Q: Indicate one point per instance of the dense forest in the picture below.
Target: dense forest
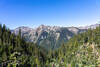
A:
(82, 50)
(15, 52)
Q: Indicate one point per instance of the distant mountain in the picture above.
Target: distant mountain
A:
(51, 36)
(90, 27)
(48, 36)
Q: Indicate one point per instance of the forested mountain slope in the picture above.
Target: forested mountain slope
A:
(82, 50)
(15, 52)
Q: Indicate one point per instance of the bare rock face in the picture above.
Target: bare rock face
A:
(49, 37)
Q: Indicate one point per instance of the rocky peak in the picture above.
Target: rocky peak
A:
(23, 29)
(73, 29)
(47, 28)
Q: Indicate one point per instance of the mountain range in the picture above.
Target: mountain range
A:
(82, 47)
(50, 36)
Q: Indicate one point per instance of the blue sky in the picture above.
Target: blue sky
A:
(32, 13)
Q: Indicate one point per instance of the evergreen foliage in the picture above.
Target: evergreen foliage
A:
(15, 52)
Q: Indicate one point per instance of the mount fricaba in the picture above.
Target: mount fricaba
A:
(50, 37)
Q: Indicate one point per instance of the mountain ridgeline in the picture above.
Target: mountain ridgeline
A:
(49, 37)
